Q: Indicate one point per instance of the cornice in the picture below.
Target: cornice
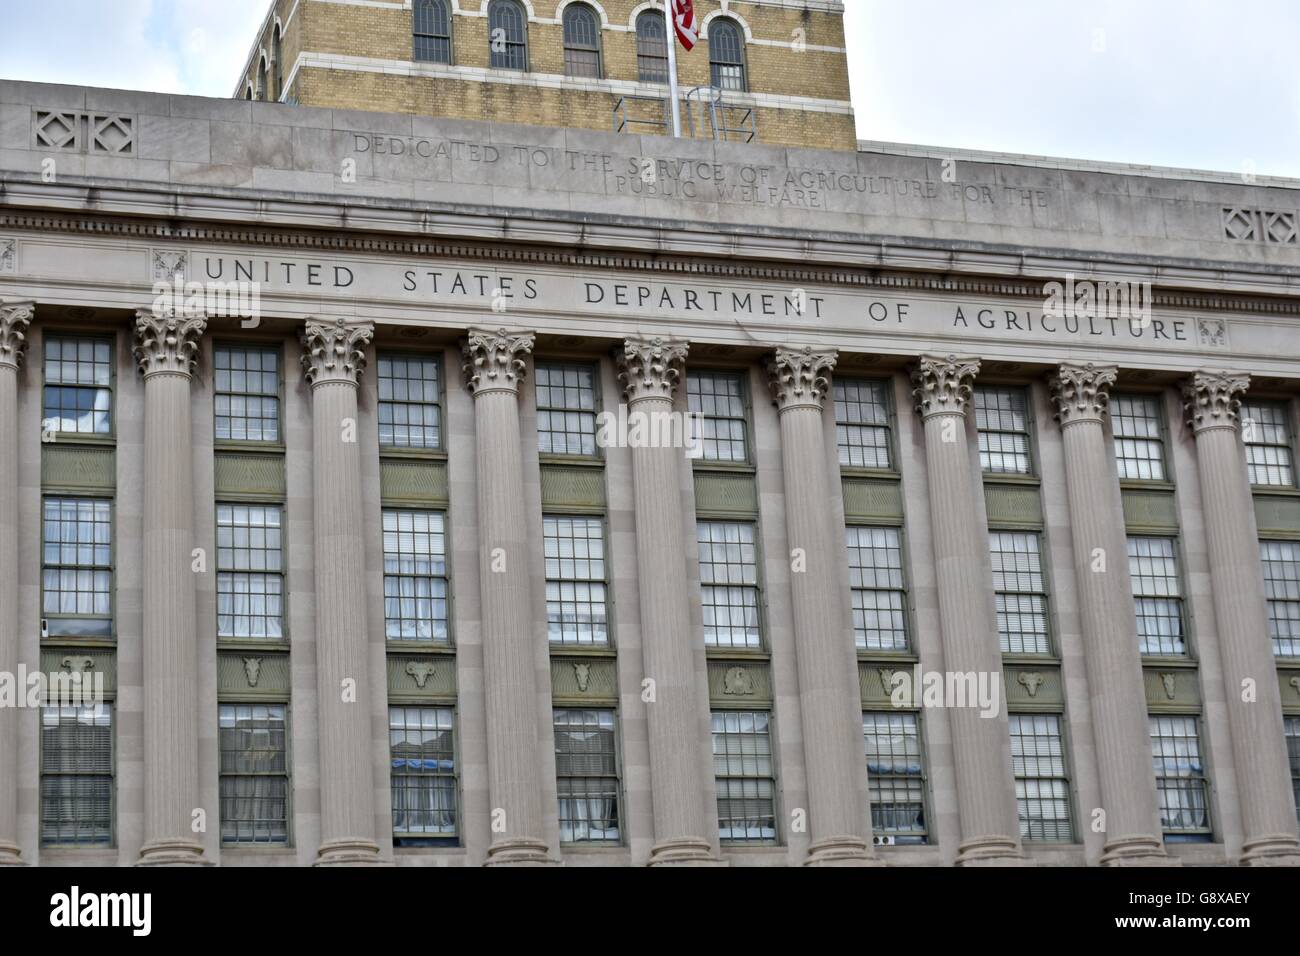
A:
(563, 253)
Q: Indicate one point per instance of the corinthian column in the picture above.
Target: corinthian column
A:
(165, 347)
(1128, 784)
(827, 657)
(493, 367)
(1212, 400)
(14, 319)
(986, 797)
(649, 370)
(333, 360)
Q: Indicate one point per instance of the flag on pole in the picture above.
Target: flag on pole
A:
(685, 24)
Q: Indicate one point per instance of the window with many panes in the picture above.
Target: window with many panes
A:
(566, 409)
(718, 401)
(77, 571)
(744, 774)
(1293, 753)
(410, 410)
(1020, 591)
(727, 56)
(77, 775)
(581, 41)
(1182, 791)
(508, 35)
(896, 773)
(862, 423)
(1157, 593)
(1042, 784)
(652, 47)
(1281, 560)
(1139, 437)
(253, 743)
(246, 393)
(1266, 434)
(250, 571)
(432, 31)
(415, 576)
(575, 580)
(422, 751)
(1002, 418)
(78, 397)
(729, 583)
(876, 579)
(586, 770)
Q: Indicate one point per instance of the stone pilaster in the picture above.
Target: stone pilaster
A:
(981, 748)
(494, 366)
(15, 317)
(166, 348)
(1211, 401)
(333, 360)
(1080, 394)
(838, 823)
(649, 371)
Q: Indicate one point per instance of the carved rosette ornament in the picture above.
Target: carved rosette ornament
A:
(15, 317)
(167, 343)
(800, 378)
(943, 386)
(650, 368)
(334, 352)
(1212, 399)
(494, 360)
(1081, 393)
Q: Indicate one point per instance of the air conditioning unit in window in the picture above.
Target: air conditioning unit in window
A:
(882, 841)
(45, 628)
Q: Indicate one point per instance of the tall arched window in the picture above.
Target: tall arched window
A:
(508, 35)
(262, 79)
(432, 31)
(727, 56)
(277, 65)
(581, 41)
(652, 47)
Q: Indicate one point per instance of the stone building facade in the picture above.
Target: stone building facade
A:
(780, 66)
(314, 449)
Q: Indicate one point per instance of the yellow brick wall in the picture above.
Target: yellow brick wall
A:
(792, 68)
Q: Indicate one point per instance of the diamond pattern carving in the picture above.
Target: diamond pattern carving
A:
(101, 134)
(1261, 225)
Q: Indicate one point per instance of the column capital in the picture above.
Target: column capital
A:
(650, 367)
(493, 360)
(943, 386)
(14, 319)
(1081, 393)
(800, 378)
(333, 353)
(167, 343)
(1212, 399)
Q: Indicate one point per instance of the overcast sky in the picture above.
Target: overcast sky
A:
(1208, 84)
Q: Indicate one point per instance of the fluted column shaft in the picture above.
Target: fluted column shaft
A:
(985, 793)
(829, 697)
(165, 348)
(650, 371)
(14, 319)
(494, 369)
(1240, 612)
(333, 361)
(1108, 620)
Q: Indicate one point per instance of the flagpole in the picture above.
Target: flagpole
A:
(672, 67)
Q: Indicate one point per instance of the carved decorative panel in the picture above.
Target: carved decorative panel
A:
(8, 255)
(873, 499)
(249, 476)
(95, 661)
(1012, 506)
(1172, 689)
(77, 467)
(77, 131)
(1150, 511)
(254, 674)
(1277, 515)
(1031, 686)
(739, 682)
(725, 494)
(410, 482)
(414, 678)
(584, 679)
(1261, 225)
(581, 488)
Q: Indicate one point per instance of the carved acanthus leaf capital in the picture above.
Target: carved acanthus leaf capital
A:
(167, 342)
(1213, 399)
(800, 377)
(1081, 393)
(334, 352)
(493, 361)
(650, 368)
(943, 386)
(15, 317)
